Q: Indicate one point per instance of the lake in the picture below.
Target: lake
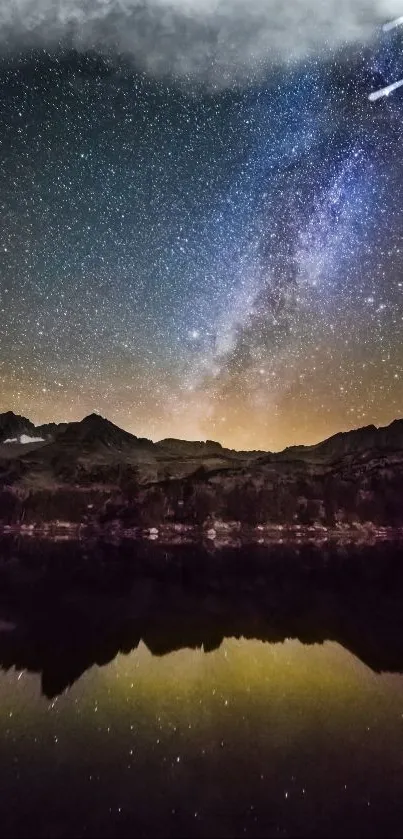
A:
(187, 692)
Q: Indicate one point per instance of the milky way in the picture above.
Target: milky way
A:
(203, 261)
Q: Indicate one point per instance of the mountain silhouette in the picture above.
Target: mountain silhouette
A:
(354, 478)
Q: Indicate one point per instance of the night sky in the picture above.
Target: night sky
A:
(202, 255)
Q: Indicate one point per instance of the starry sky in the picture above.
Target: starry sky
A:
(202, 256)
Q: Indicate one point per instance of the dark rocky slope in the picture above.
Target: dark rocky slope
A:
(92, 471)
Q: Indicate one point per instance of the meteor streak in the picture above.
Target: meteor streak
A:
(392, 24)
(385, 91)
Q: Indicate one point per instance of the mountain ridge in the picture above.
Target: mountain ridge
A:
(95, 425)
(92, 471)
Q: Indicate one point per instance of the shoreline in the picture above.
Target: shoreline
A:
(218, 534)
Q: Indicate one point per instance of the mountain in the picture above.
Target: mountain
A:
(94, 471)
(369, 437)
(190, 447)
(95, 431)
(50, 430)
(96, 450)
(12, 426)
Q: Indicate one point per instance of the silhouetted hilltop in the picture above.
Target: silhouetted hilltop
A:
(189, 447)
(369, 437)
(93, 470)
(95, 430)
(13, 426)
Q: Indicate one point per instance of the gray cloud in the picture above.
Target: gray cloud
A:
(215, 40)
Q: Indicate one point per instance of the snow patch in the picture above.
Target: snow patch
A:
(24, 438)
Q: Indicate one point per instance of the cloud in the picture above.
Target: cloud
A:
(216, 41)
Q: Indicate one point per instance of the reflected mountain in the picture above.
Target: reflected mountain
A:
(64, 608)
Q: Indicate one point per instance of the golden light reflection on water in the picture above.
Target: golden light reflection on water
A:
(239, 669)
(289, 730)
(251, 673)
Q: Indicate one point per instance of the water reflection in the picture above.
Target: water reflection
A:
(243, 701)
(67, 607)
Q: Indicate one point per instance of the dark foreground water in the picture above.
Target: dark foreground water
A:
(155, 692)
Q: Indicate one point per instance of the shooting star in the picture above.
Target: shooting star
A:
(385, 91)
(392, 24)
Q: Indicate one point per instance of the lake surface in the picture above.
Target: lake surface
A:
(244, 705)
